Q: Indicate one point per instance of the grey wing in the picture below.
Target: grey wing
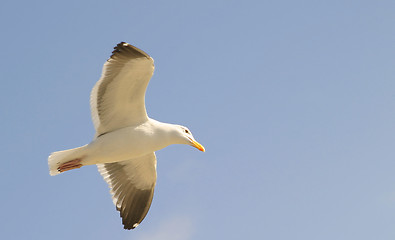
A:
(132, 184)
(118, 98)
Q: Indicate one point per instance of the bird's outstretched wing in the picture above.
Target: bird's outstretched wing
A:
(118, 98)
(132, 184)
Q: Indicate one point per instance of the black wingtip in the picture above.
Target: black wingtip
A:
(130, 227)
(119, 46)
(127, 50)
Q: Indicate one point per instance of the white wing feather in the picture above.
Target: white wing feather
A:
(132, 184)
(118, 98)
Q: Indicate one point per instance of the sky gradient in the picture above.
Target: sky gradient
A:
(294, 102)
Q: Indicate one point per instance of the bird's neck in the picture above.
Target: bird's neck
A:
(165, 134)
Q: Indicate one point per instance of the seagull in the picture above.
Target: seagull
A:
(126, 139)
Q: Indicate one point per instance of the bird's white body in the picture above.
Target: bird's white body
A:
(123, 144)
(127, 143)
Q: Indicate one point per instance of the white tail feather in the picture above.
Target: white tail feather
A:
(58, 158)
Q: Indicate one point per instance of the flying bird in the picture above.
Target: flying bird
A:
(126, 139)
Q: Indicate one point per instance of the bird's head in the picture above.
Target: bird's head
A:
(184, 135)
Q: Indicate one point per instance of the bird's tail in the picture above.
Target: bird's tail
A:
(58, 158)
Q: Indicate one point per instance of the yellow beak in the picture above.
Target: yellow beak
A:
(198, 145)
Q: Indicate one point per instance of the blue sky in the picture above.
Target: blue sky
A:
(293, 100)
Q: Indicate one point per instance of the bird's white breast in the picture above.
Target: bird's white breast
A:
(126, 143)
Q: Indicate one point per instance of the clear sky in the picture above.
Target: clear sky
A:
(293, 100)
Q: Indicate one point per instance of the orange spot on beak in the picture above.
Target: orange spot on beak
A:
(198, 145)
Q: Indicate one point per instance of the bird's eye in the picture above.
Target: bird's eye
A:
(186, 131)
